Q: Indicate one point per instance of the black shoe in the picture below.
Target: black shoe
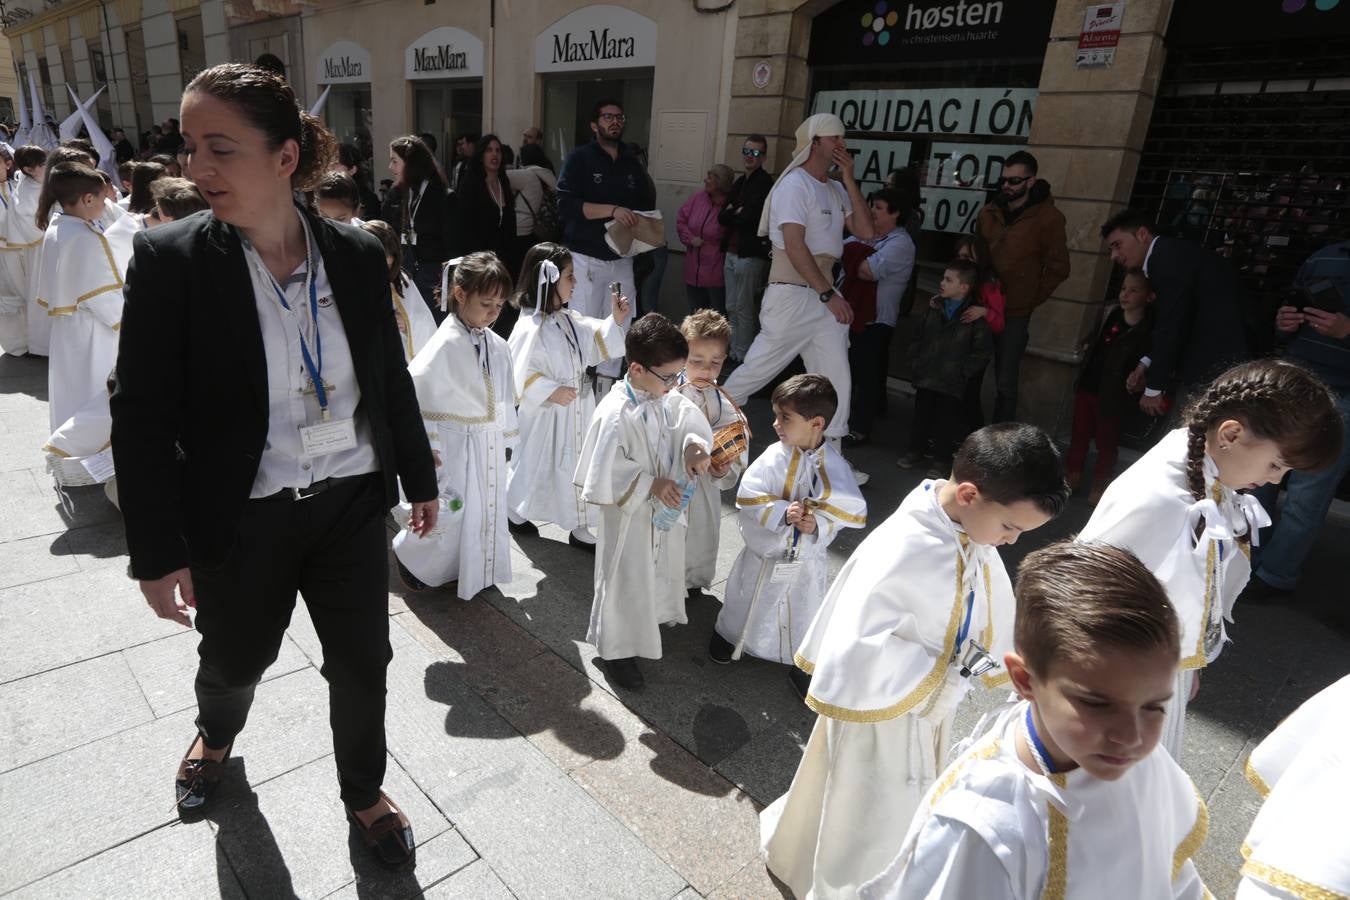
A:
(198, 778)
(390, 838)
(410, 581)
(624, 672)
(720, 649)
(577, 542)
(854, 439)
(801, 682)
(1262, 593)
(526, 528)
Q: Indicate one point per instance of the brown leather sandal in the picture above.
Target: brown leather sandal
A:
(389, 837)
(198, 778)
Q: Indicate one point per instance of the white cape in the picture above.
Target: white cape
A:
(416, 324)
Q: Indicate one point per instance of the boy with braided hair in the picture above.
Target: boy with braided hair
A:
(1182, 508)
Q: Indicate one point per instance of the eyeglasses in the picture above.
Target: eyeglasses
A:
(1013, 180)
(751, 151)
(666, 380)
(613, 117)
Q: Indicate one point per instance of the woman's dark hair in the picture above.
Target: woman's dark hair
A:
(1277, 401)
(979, 248)
(142, 177)
(339, 186)
(164, 159)
(66, 183)
(473, 183)
(418, 163)
(177, 198)
(895, 203)
(1010, 462)
(389, 238)
(349, 155)
(534, 155)
(84, 146)
(527, 285)
(480, 273)
(268, 103)
(29, 155)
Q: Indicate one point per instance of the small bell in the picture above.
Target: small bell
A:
(976, 660)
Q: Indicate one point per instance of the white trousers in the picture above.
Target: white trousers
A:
(591, 297)
(793, 322)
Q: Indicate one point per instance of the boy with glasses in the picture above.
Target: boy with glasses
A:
(747, 260)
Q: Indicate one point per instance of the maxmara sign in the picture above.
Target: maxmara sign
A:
(444, 53)
(344, 63)
(596, 37)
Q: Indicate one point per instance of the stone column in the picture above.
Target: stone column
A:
(114, 43)
(161, 58)
(56, 70)
(1087, 136)
(214, 33)
(82, 79)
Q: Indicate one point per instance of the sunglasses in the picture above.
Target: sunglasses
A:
(613, 117)
(751, 151)
(1013, 180)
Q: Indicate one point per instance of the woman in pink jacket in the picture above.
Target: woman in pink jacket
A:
(703, 239)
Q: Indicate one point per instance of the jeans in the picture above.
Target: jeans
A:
(744, 277)
(1009, 346)
(868, 356)
(649, 289)
(1283, 549)
(706, 298)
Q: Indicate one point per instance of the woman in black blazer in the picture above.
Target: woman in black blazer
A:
(261, 413)
(485, 209)
(419, 209)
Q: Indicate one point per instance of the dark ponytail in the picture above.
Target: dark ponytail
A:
(66, 183)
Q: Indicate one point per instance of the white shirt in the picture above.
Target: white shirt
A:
(821, 206)
(291, 403)
(529, 184)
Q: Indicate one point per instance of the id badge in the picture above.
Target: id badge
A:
(328, 437)
(785, 573)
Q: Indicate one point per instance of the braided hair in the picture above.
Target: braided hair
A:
(1277, 401)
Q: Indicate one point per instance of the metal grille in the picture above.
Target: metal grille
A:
(1249, 153)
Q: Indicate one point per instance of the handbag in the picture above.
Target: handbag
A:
(547, 221)
(729, 441)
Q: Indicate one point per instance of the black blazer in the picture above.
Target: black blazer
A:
(189, 395)
(435, 222)
(1200, 311)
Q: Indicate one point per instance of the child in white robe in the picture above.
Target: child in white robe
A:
(791, 505)
(709, 336)
(643, 441)
(552, 346)
(467, 394)
(81, 289)
(920, 609)
(23, 243)
(13, 307)
(1180, 510)
(415, 322)
(1302, 767)
(1068, 795)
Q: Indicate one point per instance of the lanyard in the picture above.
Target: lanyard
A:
(574, 342)
(415, 205)
(313, 363)
(479, 342)
(1038, 747)
(964, 631)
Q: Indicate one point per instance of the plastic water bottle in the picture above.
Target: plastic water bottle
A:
(665, 517)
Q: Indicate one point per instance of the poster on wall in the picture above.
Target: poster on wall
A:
(1100, 35)
(1000, 112)
(895, 32)
(874, 160)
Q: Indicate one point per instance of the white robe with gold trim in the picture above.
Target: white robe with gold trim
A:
(549, 352)
(705, 507)
(880, 652)
(1150, 511)
(781, 612)
(82, 288)
(1301, 769)
(991, 828)
(639, 569)
(13, 284)
(469, 409)
(24, 238)
(416, 324)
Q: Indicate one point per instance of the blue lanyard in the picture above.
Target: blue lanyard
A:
(1038, 745)
(314, 369)
(964, 631)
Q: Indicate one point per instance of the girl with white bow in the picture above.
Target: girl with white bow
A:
(1181, 511)
(552, 346)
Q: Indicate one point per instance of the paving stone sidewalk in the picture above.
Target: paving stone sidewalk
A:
(525, 774)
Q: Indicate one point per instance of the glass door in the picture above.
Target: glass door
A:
(445, 110)
(568, 102)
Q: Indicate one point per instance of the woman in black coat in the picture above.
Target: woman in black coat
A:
(261, 414)
(419, 209)
(485, 207)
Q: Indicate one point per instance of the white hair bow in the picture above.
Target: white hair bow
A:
(548, 276)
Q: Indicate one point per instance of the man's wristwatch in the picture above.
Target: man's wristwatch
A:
(827, 296)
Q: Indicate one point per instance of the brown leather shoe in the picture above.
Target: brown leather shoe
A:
(197, 778)
(390, 837)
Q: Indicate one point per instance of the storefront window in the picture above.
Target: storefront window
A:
(567, 109)
(446, 110)
(349, 117)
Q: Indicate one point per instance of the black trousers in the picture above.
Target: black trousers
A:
(869, 355)
(331, 548)
(940, 419)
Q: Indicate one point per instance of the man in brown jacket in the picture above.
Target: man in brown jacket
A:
(1026, 239)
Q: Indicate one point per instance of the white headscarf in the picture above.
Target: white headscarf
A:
(819, 125)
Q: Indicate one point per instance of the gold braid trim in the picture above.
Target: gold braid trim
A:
(402, 311)
(757, 500)
(1255, 778)
(534, 376)
(491, 415)
(829, 508)
(1194, 838)
(628, 493)
(791, 473)
(1304, 890)
(68, 310)
(599, 342)
(1057, 836)
(925, 686)
(1197, 660)
(985, 750)
(804, 664)
(55, 451)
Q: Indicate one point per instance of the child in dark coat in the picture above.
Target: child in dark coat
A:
(949, 355)
(1103, 395)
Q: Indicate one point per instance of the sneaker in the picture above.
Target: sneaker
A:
(801, 682)
(624, 672)
(910, 460)
(939, 470)
(1260, 592)
(720, 649)
(859, 475)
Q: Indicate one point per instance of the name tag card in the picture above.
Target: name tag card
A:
(100, 465)
(785, 573)
(329, 437)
